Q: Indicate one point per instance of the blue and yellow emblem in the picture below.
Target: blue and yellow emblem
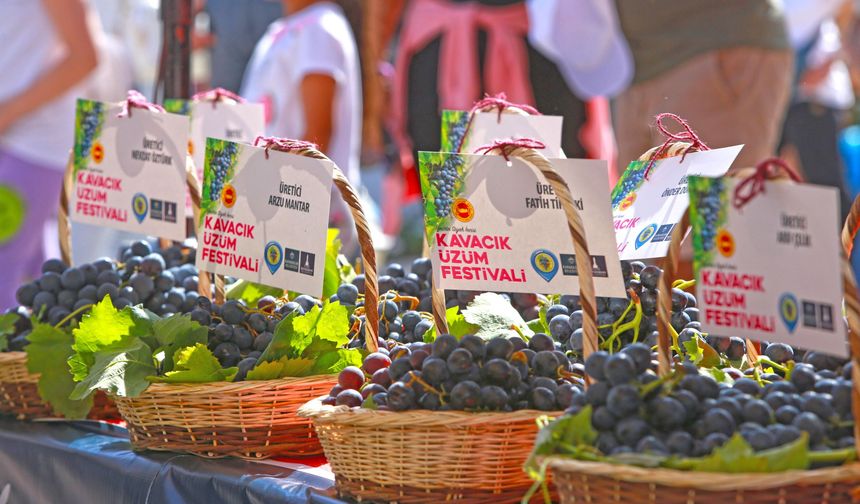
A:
(788, 311)
(646, 234)
(139, 206)
(273, 255)
(545, 263)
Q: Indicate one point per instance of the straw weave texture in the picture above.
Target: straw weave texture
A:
(251, 419)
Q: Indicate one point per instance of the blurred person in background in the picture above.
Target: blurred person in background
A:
(725, 66)
(306, 72)
(450, 53)
(46, 52)
(822, 91)
(236, 26)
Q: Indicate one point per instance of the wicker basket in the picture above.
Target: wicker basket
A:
(249, 419)
(19, 393)
(254, 419)
(593, 482)
(426, 456)
(582, 481)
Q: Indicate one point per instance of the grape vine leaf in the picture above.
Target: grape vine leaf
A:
(251, 292)
(333, 323)
(195, 364)
(457, 325)
(104, 328)
(564, 435)
(121, 370)
(47, 352)
(335, 361)
(281, 368)
(176, 332)
(337, 268)
(7, 327)
(494, 316)
(737, 456)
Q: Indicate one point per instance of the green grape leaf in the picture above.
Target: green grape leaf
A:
(196, 364)
(7, 327)
(457, 325)
(332, 274)
(176, 332)
(270, 370)
(737, 456)
(717, 374)
(121, 370)
(693, 351)
(335, 361)
(281, 368)
(564, 435)
(494, 316)
(369, 403)
(283, 340)
(333, 323)
(250, 292)
(47, 352)
(105, 328)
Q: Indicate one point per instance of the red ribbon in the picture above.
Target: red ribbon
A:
(216, 95)
(137, 100)
(753, 185)
(688, 135)
(283, 144)
(507, 146)
(499, 102)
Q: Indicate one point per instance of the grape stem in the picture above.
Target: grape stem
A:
(72, 315)
(764, 360)
(683, 284)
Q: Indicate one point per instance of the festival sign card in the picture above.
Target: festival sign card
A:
(498, 226)
(487, 127)
(264, 216)
(647, 209)
(771, 269)
(237, 122)
(129, 168)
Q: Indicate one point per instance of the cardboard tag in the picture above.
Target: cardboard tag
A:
(492, 226)
(130, 170)
(237, 122)
(264, 220)
(647, 211)
(770, 270)
(487, 127)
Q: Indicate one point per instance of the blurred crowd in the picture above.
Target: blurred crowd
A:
(367, 79)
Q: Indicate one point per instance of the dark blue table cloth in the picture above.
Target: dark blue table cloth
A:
(92, 463)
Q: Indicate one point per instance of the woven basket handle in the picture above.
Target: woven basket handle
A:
(365, 241)
(852, 309)
(580, 245)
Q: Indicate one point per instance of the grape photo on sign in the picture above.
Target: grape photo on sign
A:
(495, 226)
(264, 216)
(771, 269)
(487, 127)
(647, 209)
(129, 169)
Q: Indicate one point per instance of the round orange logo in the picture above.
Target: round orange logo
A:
(98, 152)
(627, 201)
(725, 243)
(190, 148)
(462, 210)
(228, 196)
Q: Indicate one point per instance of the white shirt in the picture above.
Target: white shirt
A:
(315, 40)
(30, 47)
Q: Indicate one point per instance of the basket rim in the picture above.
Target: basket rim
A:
(362, 417)
(185, 389)
(6, 357)
(700, 480)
